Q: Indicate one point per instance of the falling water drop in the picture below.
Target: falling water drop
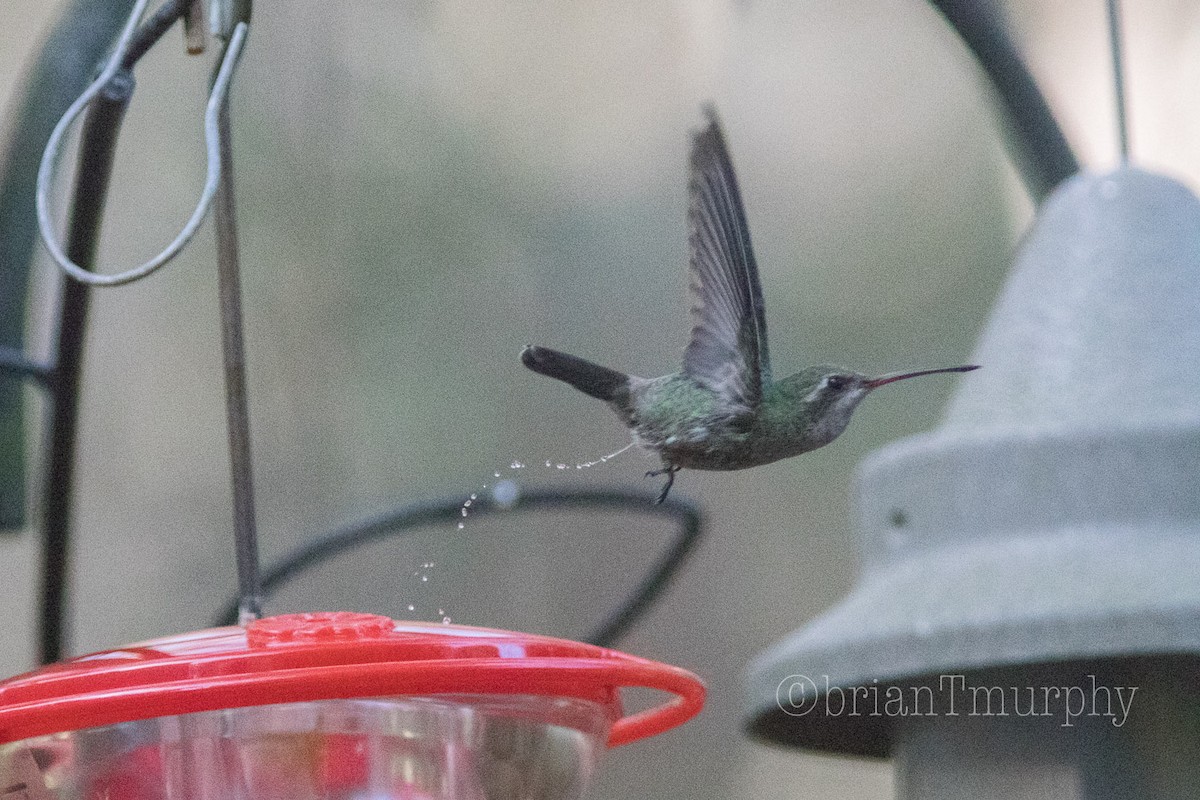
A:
(505, 494)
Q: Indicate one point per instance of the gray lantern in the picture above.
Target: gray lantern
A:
(1028, 615)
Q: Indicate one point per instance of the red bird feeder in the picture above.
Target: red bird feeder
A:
(328, 706)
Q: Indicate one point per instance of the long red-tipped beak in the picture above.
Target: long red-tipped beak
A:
(875, 383)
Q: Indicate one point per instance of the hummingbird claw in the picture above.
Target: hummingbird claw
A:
(669, 471)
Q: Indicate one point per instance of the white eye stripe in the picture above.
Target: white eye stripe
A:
(840, 382)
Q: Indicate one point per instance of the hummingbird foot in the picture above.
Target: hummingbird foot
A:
(669, 470)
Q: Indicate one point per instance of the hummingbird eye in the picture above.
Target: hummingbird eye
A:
(837, 382)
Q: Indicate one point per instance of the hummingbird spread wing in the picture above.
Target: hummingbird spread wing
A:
(728, 348)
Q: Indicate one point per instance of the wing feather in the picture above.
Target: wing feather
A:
(728, 347)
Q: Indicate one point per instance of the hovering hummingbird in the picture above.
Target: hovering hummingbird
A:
(723, 411)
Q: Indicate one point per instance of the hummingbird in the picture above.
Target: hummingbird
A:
(723, 410)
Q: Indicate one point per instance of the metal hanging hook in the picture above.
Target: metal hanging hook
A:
(220, 89)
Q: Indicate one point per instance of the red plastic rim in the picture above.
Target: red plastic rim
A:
(300, 657)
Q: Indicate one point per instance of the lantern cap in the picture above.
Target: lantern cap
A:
(320, 656)
(1053, 517)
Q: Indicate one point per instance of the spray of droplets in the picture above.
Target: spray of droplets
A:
(505, 493)
(422, 574)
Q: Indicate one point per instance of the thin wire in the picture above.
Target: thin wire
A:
(50, 155)
(1114, 40)
(233, 349)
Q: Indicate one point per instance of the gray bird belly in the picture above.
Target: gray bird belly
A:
(731, 449)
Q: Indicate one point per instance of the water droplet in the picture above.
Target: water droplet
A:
(424, 579)
(494, 475)
(462, 525)
(560, 466)
(429, 564)
(466, 505)
(474, 497)
(463, 510)
(505, 494)
(515, 465)
(547, 462)
(445, 620)
(441, 611)
(411, 607)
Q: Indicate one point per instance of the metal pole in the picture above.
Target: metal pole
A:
(99, 140)
(236, 403)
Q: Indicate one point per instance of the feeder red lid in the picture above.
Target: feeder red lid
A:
(298, 657)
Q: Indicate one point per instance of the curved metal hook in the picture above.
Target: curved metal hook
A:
(405, 519)
(216, 98)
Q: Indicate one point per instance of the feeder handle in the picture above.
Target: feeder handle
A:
(689, 699)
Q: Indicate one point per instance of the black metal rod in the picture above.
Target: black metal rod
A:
(237, 409)
(1044, 157)
(406, 519)
(98, 145)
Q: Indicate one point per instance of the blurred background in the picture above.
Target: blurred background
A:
(425, 187)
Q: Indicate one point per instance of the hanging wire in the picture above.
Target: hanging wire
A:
(406, 519)
(1114, 41)
(45, 180)
(237, 410)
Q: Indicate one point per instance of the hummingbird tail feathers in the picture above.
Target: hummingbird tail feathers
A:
(591, 379)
